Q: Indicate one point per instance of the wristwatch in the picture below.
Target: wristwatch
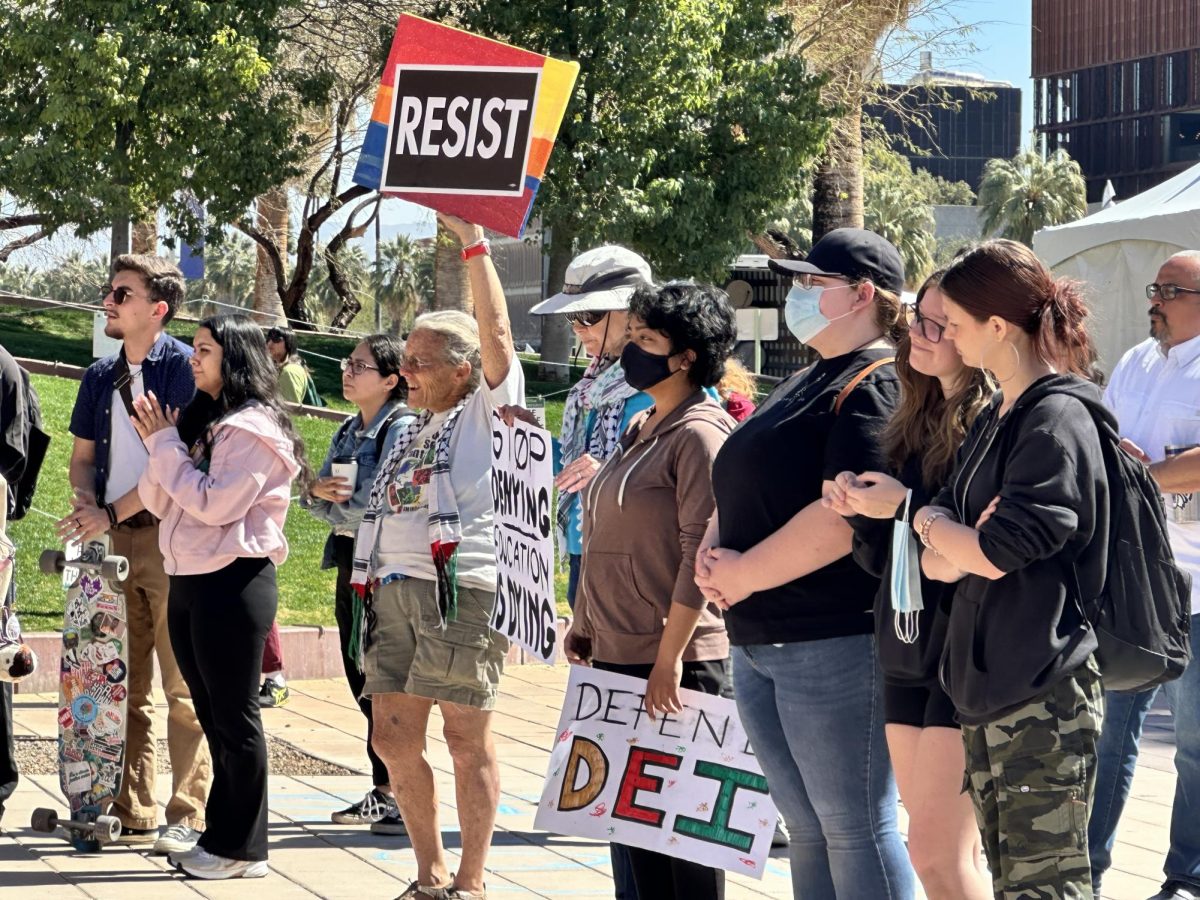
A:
(481, 247)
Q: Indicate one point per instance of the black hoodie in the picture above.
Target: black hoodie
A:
(1012, 639)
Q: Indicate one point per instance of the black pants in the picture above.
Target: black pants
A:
(8, 755)
(656, 874)
(218, 624)
(343, 612)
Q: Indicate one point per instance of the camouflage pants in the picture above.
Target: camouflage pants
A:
(1032, 774)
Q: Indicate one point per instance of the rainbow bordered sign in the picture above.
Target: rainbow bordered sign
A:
(464, 124)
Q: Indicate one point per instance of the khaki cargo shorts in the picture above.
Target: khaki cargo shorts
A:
(411, 652)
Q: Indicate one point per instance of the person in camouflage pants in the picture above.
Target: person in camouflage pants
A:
(1032, 775)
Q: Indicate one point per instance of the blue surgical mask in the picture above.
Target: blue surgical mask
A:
(906, 578)
(802, 312)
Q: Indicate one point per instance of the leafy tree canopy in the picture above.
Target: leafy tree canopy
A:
(687, 126)
(1020, 196)
(110, 109)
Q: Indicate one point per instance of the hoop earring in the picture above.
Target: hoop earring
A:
(1016, 368)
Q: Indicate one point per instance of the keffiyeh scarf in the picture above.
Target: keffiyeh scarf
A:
(445, 528)
(603, 390)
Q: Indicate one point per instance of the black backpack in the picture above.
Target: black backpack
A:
(1142, 617)
(36, 442)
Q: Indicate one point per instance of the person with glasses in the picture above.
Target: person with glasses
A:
(107, 459)
(294, 377)
(1155, 393)
(600, 406)
(425, 563)
(940, 397)
(798, 606)
(371, 380)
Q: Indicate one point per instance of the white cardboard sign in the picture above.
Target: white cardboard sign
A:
(687, 785)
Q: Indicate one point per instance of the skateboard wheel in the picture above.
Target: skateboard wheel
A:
(52, 562)
(44, 820)
(106, 829)
(114, 568)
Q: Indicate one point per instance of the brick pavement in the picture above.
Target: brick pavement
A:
(310, 857)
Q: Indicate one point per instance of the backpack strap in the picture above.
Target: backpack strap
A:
(857, 380)
(385, 426)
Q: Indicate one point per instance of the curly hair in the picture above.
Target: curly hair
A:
(696, 317)
(247, 376)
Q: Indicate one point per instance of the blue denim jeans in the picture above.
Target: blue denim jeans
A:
(813, 711)
(1124, 716)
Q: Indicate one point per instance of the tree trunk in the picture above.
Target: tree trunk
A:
(451, 289)
(838, 182)
(272, 220)
(556, 332)
(120, 239)
(145, 236)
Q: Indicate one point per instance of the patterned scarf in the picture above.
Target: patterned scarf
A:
(602, 390)
(445, 529)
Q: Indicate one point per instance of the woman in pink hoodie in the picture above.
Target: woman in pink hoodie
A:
(219, 477)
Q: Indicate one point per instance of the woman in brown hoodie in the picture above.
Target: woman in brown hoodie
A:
(638, 610)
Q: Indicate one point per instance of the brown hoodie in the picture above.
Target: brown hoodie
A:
(644, 515)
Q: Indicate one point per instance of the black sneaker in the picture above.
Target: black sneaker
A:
(391, 823)
(273, 693)
(368, 810)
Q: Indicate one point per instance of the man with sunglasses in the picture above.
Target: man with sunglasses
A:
(1155, 392)
(107, 459)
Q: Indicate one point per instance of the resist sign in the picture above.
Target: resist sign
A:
(460, 130)
(686, 785)
(522, 479)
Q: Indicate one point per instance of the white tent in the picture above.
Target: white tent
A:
(1118, 251)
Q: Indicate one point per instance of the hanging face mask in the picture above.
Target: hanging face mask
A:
(906, 578)
(643, 369)
(802, 312)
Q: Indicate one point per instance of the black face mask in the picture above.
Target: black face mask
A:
(642, 369)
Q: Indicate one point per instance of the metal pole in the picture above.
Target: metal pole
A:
(378, 279)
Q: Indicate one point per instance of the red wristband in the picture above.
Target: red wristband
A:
(481, 247)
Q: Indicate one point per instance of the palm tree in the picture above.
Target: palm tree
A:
(403, 281)
(907, 222)
(1022, 195)
(272, 219)
(452, 290)
(229, 270)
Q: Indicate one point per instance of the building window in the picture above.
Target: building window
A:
(1118, 89)
(1183, 137)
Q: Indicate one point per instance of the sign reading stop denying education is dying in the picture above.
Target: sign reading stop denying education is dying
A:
(464, 124)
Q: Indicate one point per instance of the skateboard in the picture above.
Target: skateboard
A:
(93, 692)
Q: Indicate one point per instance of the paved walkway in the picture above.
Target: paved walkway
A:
(312, 858)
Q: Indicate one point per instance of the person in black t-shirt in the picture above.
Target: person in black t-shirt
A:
(807, 684)
(939, 399)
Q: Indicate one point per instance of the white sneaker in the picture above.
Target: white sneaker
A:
(203, 864)
(177, 840)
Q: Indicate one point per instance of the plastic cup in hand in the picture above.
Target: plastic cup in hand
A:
(345, 467)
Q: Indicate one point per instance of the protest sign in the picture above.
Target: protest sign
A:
(687, 785)
(522, 488)
(464, 124)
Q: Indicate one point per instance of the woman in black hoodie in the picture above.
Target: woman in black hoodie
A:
(1022, 526)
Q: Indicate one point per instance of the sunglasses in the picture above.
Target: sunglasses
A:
(927, 328)
(586, 319)
(119, 294)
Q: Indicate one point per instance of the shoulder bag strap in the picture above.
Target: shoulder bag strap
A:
(857, 380)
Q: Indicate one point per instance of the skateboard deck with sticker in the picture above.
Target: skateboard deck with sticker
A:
(93, 693)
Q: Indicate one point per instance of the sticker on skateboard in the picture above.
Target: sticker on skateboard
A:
(92, 693)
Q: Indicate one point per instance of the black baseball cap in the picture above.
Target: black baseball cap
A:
(852, 253)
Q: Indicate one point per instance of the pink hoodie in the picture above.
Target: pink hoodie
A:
(237, 508)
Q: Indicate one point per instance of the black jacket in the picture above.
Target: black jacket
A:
(909, 664)
(1012, 639)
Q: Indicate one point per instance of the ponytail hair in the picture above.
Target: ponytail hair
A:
(1004, 278)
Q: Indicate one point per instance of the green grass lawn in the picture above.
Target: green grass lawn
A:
(305, 591)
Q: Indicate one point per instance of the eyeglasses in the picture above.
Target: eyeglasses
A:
(356, 366)
(927, 328)
(119, 294)
(413, 364)
(586, 319)
(806, 281)
(1166, 291)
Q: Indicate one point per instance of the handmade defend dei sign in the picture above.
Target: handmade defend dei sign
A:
(464, 124)
(686, 785)
(522, 481)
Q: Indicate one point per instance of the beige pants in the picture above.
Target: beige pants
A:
(146, 591)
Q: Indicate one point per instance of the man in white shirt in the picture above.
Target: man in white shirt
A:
(1155, 393)
(425, 547)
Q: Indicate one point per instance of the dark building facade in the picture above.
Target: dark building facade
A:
(1117, 85)
(956, 123)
